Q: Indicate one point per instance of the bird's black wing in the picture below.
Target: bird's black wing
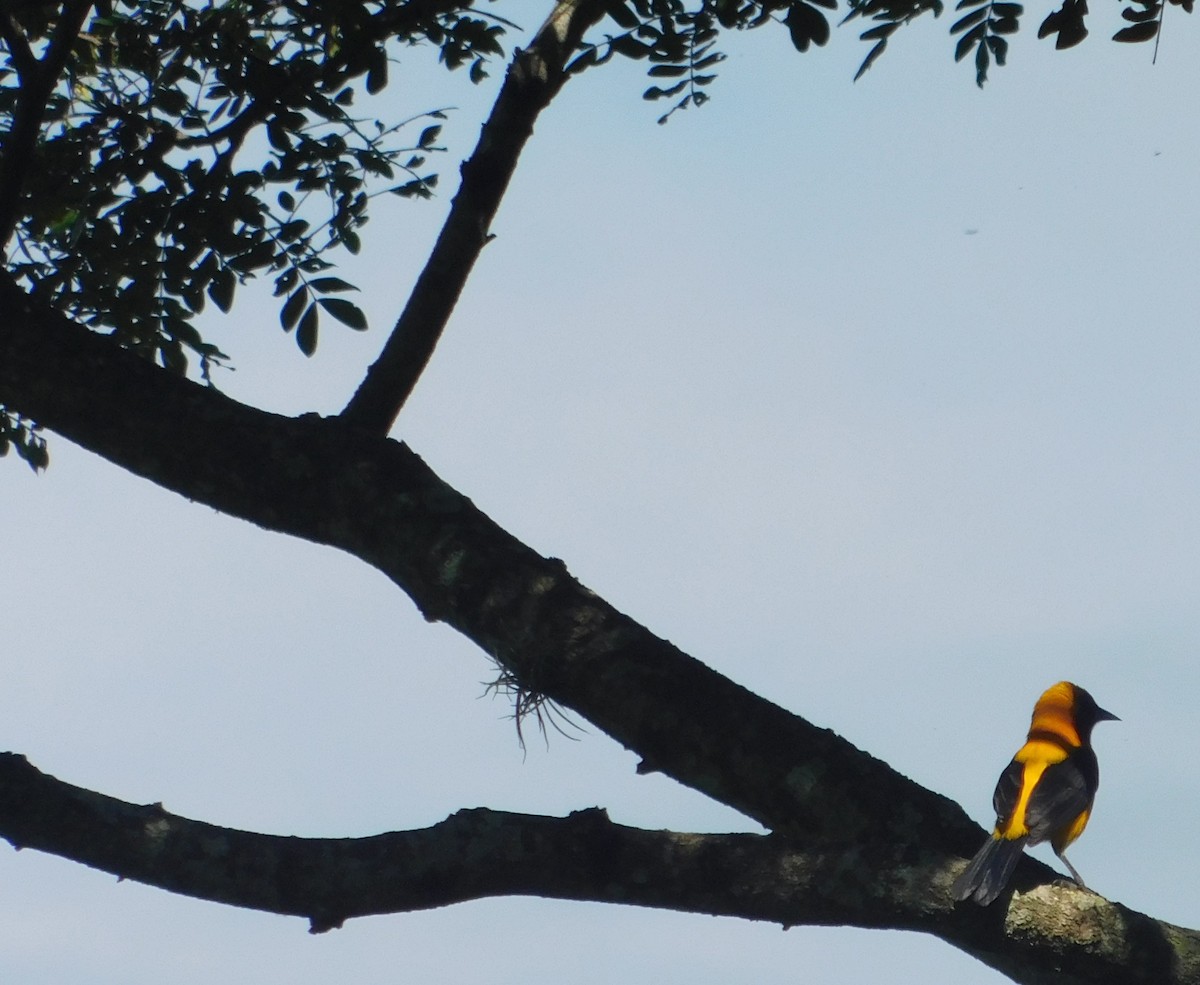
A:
(1063, 792)
(1008, 791)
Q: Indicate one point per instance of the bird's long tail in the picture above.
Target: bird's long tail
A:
(989, 871)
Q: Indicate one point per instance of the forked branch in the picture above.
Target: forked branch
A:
(38, 78)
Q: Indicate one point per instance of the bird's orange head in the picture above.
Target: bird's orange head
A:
(1066, 710)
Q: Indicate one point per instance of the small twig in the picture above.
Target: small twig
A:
(1162, 13)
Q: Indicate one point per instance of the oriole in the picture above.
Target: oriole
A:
(1045, 793)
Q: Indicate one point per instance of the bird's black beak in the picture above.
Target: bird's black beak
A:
(1105, 716)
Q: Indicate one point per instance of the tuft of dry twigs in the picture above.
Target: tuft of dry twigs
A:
(527, 702)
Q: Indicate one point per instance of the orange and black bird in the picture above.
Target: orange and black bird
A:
(1045, 794)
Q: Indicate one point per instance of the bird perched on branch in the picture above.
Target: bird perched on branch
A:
(1045, 793)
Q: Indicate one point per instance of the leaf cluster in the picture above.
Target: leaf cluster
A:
(983, 28)
(888, 17)
(678, 40)
(24, 437)
(193, 144)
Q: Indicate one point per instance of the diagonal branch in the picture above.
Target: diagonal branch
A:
(375, 499)
(23, 58)
(482, 853)
(534, 78)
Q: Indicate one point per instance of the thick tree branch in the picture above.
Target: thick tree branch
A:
(470, 855)
(372, 497)
(481, 853)
(534, 78)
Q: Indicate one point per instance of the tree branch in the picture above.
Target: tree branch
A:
(534, 77)
(470, 855)
(23, 58)
(482, 853)
(37, 84)
(375, 499)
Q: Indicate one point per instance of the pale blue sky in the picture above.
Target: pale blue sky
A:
(754, 379)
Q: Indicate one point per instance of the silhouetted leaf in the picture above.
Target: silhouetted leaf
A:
(872, 55)
(806, 25)
(325, 285)
(286, 281)
(1148, 13)
(655, 92)
(629, 46)
(1067, 23)
(377, 76)
(172, 358)
(292, 309)
(345, 311)
(970, 20)
(968, 41)
(1137, 32)
(982, 60)
(22, 435)
(306, 332)
(221, 289)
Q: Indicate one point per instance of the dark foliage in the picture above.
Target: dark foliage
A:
(188, 146)
(156, 154)
(24, 437)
